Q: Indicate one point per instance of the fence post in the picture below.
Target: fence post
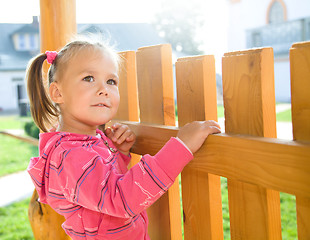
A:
(156, 101)
(249, 101)
(300, 85)
(201, 192)
(57, 24)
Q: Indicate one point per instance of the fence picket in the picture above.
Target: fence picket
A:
(156, 101)
(249, 101)
(128, 107)
(300, 85)
(196, 89)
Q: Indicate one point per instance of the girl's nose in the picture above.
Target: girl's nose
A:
(103, 90)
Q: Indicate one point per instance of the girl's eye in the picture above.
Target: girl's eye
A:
(111, 82)
(89, 79)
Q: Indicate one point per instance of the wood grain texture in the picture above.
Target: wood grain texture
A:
(57, 25)
(249, 101)
(282, 165)
(155, 84)
(128, 109)
(201, 192)
(128, 89)
(300, 85)
(156, 101)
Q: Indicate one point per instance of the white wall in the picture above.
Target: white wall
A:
(297, 9)
(8, 95)
(248, 14)
(244, 15)
(282, 80)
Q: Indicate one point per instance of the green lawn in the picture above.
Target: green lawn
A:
(220, 111)
(14, 222)
(13, 122)
(288, 213)
(14, 154)
(284, 116)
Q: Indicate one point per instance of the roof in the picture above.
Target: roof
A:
(123, 36)
(9, 58)
(29, 28)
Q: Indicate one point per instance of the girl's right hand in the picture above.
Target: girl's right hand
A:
(195, 133)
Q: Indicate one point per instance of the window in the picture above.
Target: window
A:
(32, 41)
(256, 39)
(21, 42)
(26, 41)
(276, 12)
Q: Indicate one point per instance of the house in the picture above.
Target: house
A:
(270, 23)
(20, 42)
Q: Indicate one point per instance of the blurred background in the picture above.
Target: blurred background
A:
(192, 28)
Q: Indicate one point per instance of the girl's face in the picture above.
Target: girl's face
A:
(88, 90)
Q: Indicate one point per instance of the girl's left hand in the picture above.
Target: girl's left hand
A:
(122, 137)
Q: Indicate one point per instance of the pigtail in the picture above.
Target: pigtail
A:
(41, 107)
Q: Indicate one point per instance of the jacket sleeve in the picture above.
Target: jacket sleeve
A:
(89, 181)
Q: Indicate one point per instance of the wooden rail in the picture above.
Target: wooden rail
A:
(240, 157)
(256, 164)
(31, 140)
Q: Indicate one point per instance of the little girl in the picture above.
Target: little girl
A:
(82, 172)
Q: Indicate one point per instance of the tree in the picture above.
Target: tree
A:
(179, 22)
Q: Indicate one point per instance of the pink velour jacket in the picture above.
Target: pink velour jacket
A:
(85, 179)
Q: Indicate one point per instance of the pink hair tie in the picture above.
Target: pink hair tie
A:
(50, 56)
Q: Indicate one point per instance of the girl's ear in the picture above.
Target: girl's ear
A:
(55, 93)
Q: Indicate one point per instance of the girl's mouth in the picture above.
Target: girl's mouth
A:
(101, 105)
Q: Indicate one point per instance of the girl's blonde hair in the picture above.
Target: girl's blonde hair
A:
(42, 109)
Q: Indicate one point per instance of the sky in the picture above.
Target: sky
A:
(102, 11)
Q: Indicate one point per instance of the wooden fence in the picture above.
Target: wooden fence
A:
(256, 164)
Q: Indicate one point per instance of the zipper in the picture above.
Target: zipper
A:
(108, 146)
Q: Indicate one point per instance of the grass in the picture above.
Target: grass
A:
(288, 216)
(288, 213)
(15, 154)
(220, 111)
(13, 122)
(285, 116)
(14, 222)
(14, 157)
